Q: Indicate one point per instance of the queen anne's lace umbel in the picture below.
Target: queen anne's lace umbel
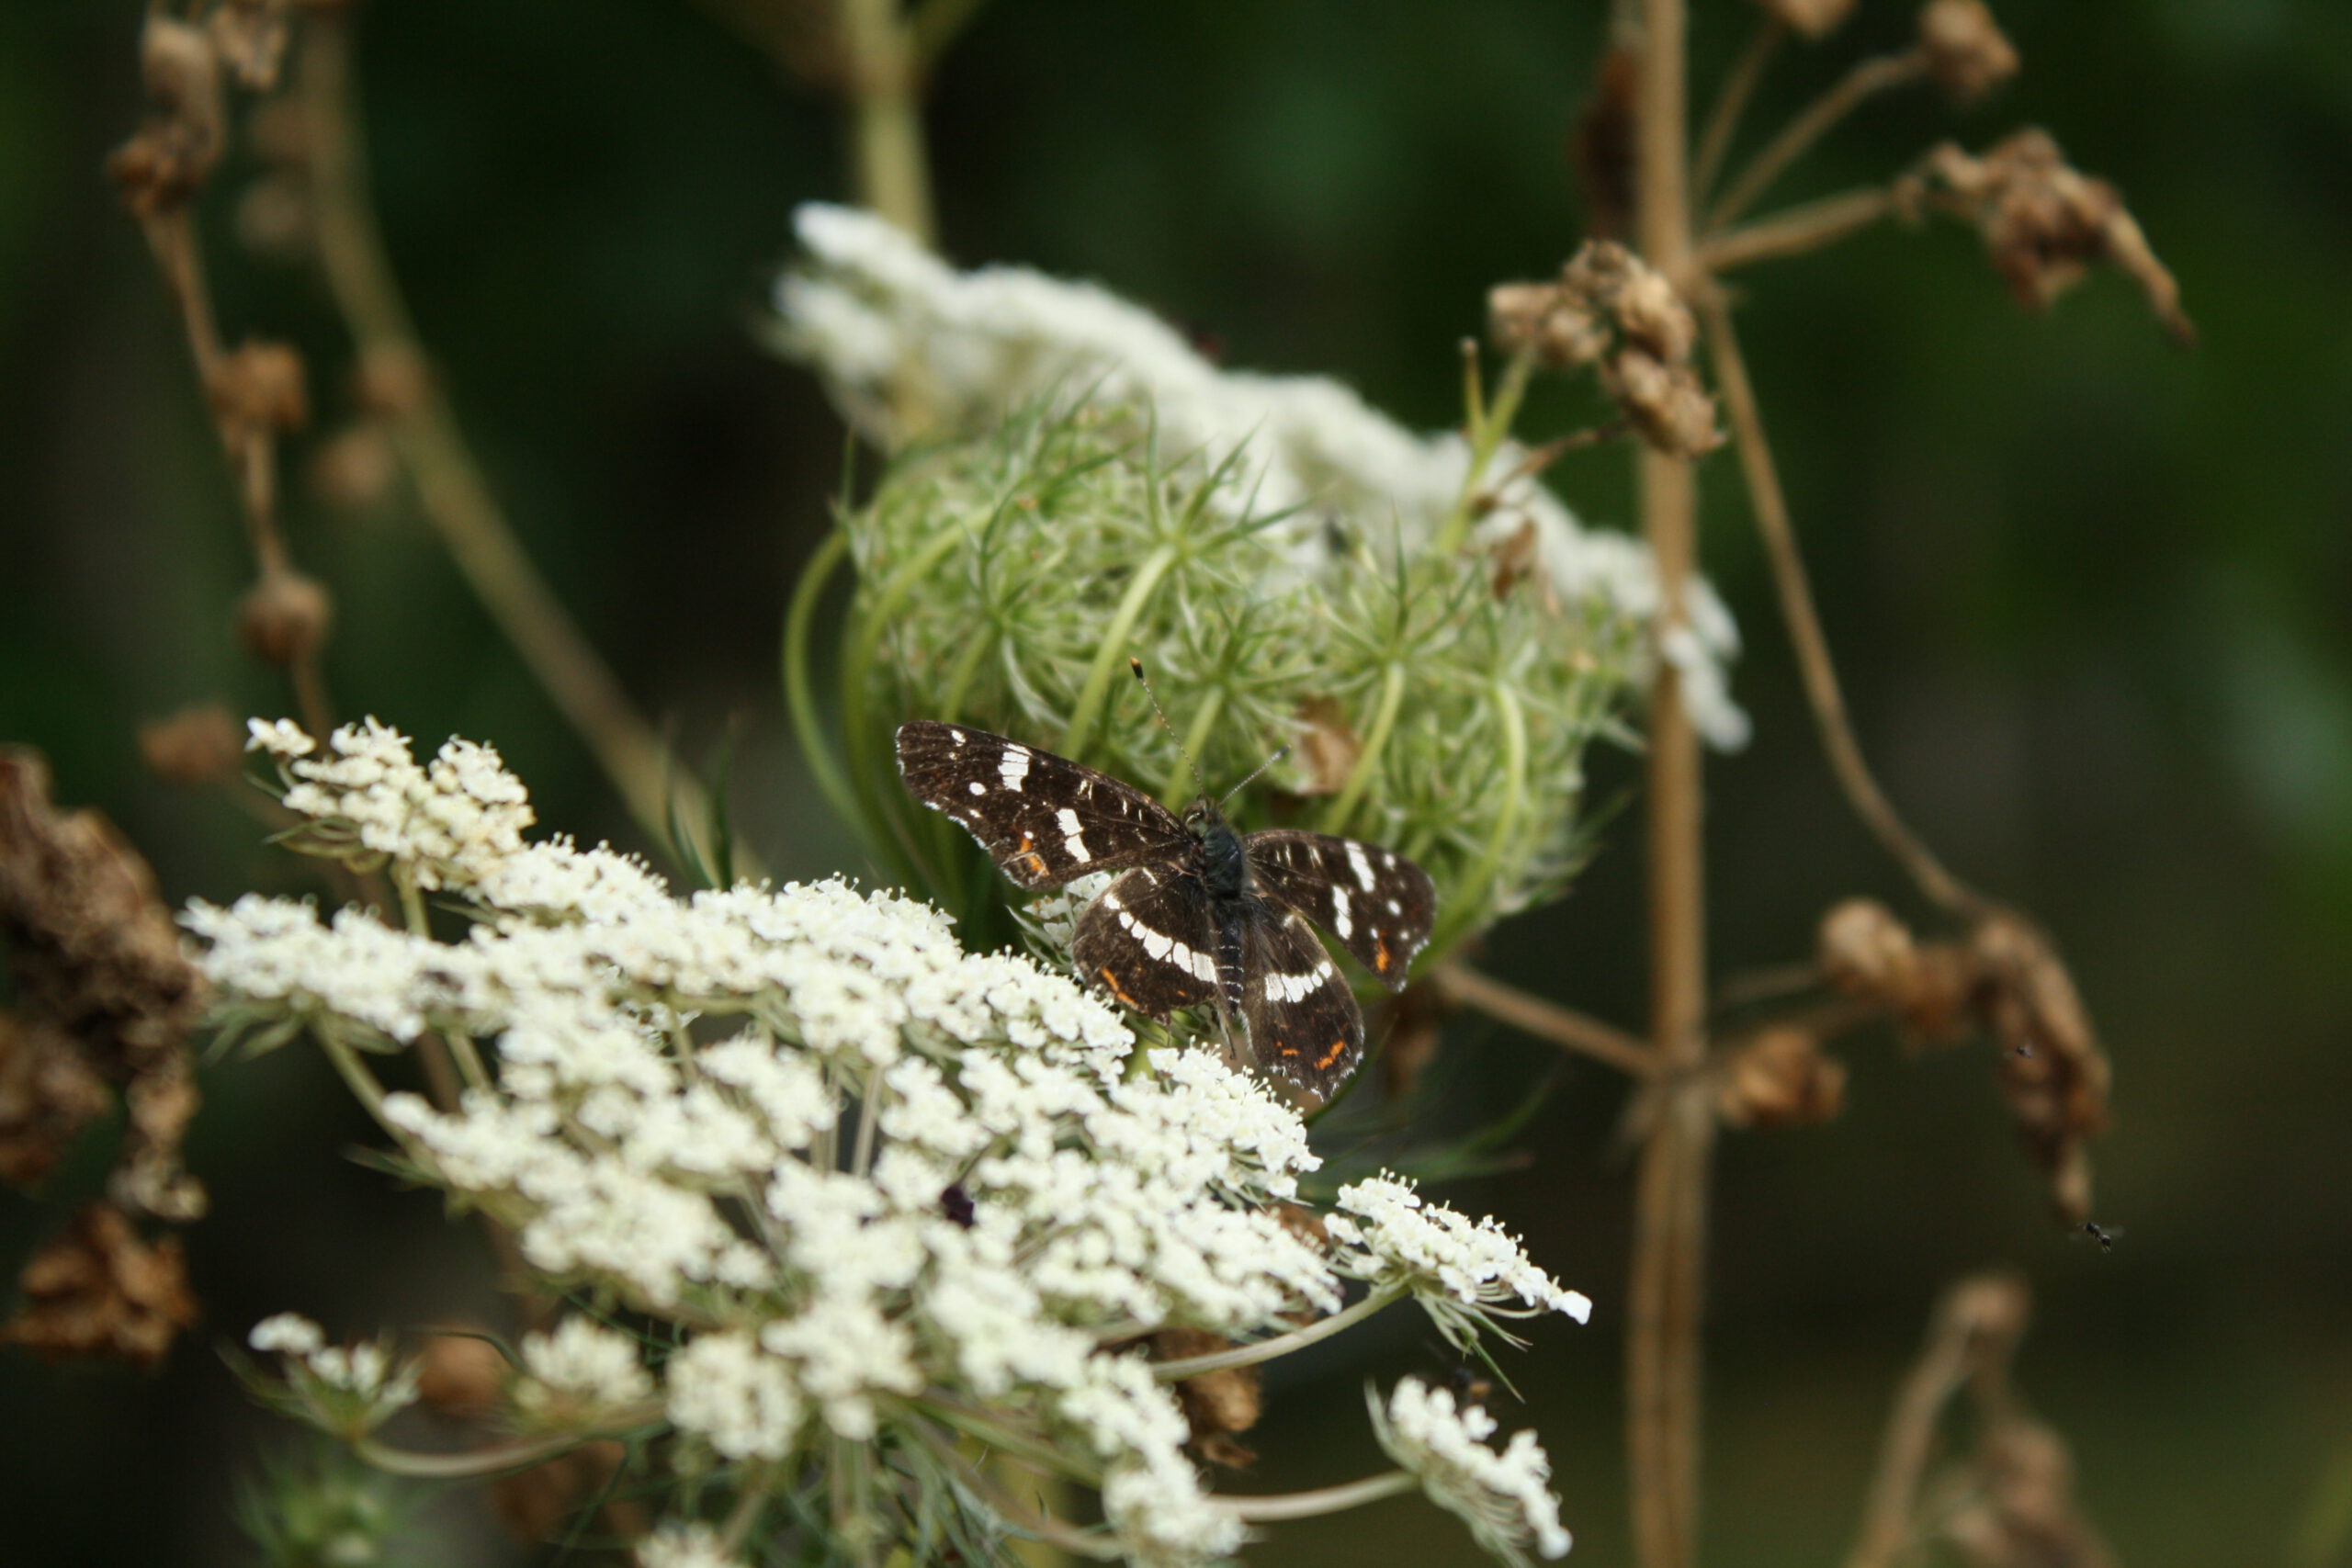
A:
(874, 1186)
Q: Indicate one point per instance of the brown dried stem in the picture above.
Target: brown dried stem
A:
(1731, 101)
(1976, 1329)
(1806, 637)
(1667, 1265)
(1857, 86)
(1807, 227)
(455, 496)
(1564, 1027)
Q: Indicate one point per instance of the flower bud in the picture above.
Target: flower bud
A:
(199, 745)
(1966, 49)
(284, 616)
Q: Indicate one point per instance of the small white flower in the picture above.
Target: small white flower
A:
(674, 1545)
(1163, 1518)
(1462, 1271)
(742, 1401)
(1506, 1498)
(288, 1333)
(583, 1363)
(281, 737)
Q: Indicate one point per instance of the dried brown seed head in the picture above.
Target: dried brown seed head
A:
(200, 744)
(97, 956)
(250, 36)
(1218, 1404)
(1964, 47)
(1813, 19)
(284, 617)
(101, 1290)
(1864, 951)
(1667, 403)
(355, 469)
(2054, 1075)
(392, 381)
(1538, 317)
(2014, 1502)
(48, 1093)
(1780, 1078)
(461, 1376)
(174, 150)
(258, 386)
(2044, 222)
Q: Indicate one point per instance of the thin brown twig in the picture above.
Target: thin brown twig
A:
(1807, 227)
(1864, 82)
(1731, 101)
(1806, 637)
(1564, 1027)
(1667, 1265)
(455, 496)
(1976, 1330)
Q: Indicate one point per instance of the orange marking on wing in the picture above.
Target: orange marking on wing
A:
(1384, 959)
(1338, 1048)
(1036, 866)
(1285, 1049)
(1112, 982)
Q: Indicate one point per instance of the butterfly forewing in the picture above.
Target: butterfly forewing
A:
(1150, 941)
(1044, 819)
(1378, 903)
(1303, 1020)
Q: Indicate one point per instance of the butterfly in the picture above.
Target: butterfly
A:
(1199, 913)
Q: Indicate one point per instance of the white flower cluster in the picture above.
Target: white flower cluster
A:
(368, 800)
(1465, 1273)
(346, 1389)
(875, 313)
(872, 1182)
(1506, 1498)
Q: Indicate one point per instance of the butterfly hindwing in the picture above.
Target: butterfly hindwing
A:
(1380, 905)
(1303, 1020)
(1044, 820)
(1151, 942)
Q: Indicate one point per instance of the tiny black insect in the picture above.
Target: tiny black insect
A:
(1201, 914)
(2105, 1235)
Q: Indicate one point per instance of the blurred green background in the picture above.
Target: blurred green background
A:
(2092, 594)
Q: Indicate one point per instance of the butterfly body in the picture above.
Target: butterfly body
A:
(1200, 915)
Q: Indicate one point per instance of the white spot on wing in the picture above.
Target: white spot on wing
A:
(1359, 861)
(1015, 767)
(978, 787)
(1343, 922)
(1073, 839)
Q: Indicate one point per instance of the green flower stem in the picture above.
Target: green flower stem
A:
(1469, 899)
(857, 695)
(967, 669)
(798, 622)
(1197, 739)
(1488, 427)
(469, 1062)
(498, 1460)
(361, 1082)
(1392, 697)
(1019, 1445)
(1327, 1500)
(1112, 652)
(1281, 1345)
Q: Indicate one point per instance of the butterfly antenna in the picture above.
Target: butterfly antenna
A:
(1245, 784)
(1136, 665)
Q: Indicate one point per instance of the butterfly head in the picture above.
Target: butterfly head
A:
(1224, 864)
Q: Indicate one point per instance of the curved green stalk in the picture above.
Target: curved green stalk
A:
(1392, 697)
(1282, 1344)
(1325, 1500)
(1469, 896)
(807, 726)
(1196, 740)
(1488, 427)
(1112, 653)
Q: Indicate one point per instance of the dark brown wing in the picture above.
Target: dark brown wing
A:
(1149, 942)
(1044, 819)
(1380, 905)
(1303, 1020)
